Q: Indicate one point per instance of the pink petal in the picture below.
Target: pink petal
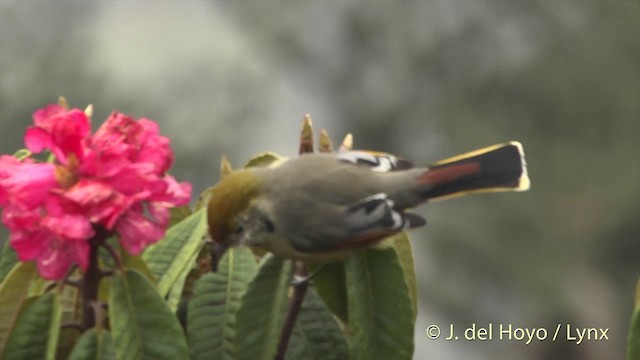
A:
(159, 211)
(63, 132)
(7, 164)
(81, 120)
(4, 197)
(6, 161)
(79, 250)
(155, 149)
(69, 226)
(67, 136)
(103, 163)
(20, 219)
(89, 192)
(176, 193)
(121, 132)
(100, 203)
(136, 232)
(25, 183)
(37, 140)
(149, 127)
(58, 205)
(60, 254)
(54, 263)
(30, 245)
(137, 179)
(45, 117)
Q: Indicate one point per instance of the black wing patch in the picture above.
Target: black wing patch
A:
(377, 161)
(376, 213)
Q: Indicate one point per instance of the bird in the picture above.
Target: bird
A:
(322, 207)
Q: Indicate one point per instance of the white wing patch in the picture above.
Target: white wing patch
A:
(380, 162)
(374, 212)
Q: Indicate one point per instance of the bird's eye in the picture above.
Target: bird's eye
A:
(239, 229)
(268, 225)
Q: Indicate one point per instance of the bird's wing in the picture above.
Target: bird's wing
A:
(377, 161)
(374, 218)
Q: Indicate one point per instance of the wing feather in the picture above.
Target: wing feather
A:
(377, 161)
(373, 219)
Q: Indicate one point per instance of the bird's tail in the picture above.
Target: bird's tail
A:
(495, 168)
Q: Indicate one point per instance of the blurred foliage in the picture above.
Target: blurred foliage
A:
(423, 79)
(633, 344)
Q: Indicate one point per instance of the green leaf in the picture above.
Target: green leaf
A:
(94, 344)
(263, 159)
(175, 252)
(135, 262)
(381, 317)
(67, 340)
(211, 315)
(331, 285)
(175, 293)
(402, 245)
(22, 154)
(142, 324)
(8, 259)
(35, 335)
(70, 299)
(262, 310)
(178, 213)
(633, 344)
(317, 334)
(14, 290)
(182, 291)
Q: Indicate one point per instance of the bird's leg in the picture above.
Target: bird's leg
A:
(304, 278)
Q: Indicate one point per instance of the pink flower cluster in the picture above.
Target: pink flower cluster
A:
(114, 180)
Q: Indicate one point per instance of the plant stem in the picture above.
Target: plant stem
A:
(90, 282)
(114, 255)
(91, 278)
(299, 291)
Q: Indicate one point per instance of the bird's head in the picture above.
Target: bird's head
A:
(231, 200)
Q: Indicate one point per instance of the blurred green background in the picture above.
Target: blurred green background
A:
(425, 80)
